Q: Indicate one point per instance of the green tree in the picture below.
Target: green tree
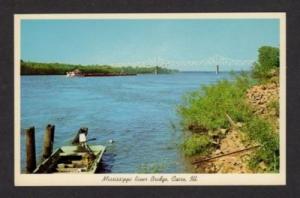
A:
(268, 61)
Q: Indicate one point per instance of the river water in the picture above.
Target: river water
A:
(137, 112)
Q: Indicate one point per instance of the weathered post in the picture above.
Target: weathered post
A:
(81, 130)
(48, 140)
(30, 150)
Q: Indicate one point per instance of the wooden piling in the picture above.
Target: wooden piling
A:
(81, 130)
(30, 150)
(48, 141)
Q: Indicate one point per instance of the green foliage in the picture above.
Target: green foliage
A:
(197, 144)
(268, 56)
(274, 105)
(261, 131)
(206, 108)
(33, 68)
(268, 61)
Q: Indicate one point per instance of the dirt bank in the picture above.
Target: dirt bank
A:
(264, 99)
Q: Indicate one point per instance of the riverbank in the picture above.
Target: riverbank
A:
(244, 152)
(36, 68)
(233, 126)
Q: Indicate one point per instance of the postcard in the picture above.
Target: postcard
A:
(150, 99)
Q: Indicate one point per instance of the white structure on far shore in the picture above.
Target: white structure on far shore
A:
(74, 73)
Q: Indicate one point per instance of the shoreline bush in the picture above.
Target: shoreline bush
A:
(205, 109)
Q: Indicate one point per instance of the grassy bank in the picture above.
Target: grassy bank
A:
(35, 68)
(205, 112)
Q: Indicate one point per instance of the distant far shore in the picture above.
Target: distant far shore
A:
(86, 75)
(36, 68)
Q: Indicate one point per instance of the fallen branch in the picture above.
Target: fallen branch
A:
(234, 152)
(230, 120)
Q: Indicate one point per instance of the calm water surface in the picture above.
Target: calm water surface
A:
(137, 112)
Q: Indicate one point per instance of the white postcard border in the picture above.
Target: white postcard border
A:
(174, 179)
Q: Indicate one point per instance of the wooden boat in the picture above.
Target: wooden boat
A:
(72, 159)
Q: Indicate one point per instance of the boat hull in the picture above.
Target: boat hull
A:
(72, 159)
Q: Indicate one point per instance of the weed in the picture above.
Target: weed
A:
(261, 131)
(274, 105)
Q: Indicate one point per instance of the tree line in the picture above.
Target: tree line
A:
(36, 68)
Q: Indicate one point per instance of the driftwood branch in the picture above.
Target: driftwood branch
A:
(230, 120)
(226, 154)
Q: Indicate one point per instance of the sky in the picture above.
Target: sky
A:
(192, 44)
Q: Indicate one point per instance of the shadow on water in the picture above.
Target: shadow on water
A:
(107, 162)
